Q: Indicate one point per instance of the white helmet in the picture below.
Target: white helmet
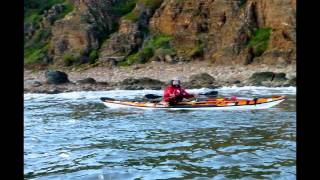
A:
(176, 81)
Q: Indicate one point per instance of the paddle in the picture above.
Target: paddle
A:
(106, 99)
(210, 93)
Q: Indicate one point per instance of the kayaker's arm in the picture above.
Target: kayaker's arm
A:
(187, 95)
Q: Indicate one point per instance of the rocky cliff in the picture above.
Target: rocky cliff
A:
(125, 32)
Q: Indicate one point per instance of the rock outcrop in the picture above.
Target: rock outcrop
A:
(224, 32)
(86, 81)
(131, 34)
(141, 83)
(56, 77)
(293, 81)
(265, 78)
(202, 80)
(222, 29)
(81, 31)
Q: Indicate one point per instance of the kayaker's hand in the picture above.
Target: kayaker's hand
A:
(165, 104)
(172, 95)
(195, 95)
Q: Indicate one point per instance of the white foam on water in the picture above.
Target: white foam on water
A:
(130, 94)
(290, 89)
(64, 155)
(89, 95)
(262, 91)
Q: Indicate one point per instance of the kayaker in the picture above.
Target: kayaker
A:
(174, 93)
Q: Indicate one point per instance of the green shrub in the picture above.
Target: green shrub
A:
(145, 54)
(124, 7)
(161, 44)
(34, 55)
(140, 57)
(132, 16)
(166, 51)
(158, 43)
(33, 9)
(41, 36)
(37, 47)
(41, 5)
(133, 58)
(144, 30)
(242, 3)
(122, 63)
(260, 40)
(153, 4)
(160, 40)
(70, 59)
(68, 7)
(32, 15)
(129, 60)
(198, 50)
(93, 56)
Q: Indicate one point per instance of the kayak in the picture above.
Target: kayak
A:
(209, 104)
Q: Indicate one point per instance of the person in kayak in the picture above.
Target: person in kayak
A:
(174, 93)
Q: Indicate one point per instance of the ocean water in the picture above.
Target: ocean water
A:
(74, 136)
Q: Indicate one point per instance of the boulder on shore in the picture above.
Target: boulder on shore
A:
(280, 77)
(202, 80)
(261, 76)
(87, 81)
(56, 77)
(268, 78)
(32, 83)
(141, 83)
(293, 81)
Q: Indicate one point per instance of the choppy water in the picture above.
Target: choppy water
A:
(74, 136)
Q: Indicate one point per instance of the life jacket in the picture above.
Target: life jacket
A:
(179, 94)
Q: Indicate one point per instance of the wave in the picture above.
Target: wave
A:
(95, 95)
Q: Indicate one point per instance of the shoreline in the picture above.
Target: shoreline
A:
(113, 78)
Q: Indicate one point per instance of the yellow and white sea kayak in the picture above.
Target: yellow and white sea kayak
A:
(209, 104)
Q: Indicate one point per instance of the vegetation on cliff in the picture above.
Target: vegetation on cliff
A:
(125, 32)
(33, 9)
(260, 40)
(134, 15)
(124, 7)
(35, 49)
(157, 45)
(36, 46)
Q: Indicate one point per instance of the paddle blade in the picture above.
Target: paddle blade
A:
(106, 99)
(210, 93)
(152, 96)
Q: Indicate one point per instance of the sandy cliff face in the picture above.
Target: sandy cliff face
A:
(222, 31)
(82, 30)
(281, 17)
(226, 27)
(129, 37)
